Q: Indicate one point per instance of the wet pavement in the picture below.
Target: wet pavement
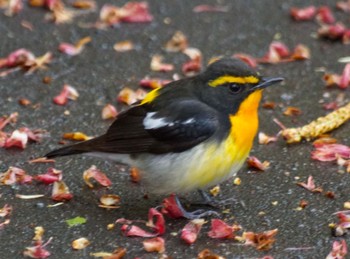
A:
(98, 74)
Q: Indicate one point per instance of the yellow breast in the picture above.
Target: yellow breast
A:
(220, 161)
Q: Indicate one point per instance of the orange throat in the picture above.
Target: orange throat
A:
(245, 123)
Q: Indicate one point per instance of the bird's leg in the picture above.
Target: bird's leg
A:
(209, 200)
(194, 214)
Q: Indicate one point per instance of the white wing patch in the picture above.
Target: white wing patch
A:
(154, 123)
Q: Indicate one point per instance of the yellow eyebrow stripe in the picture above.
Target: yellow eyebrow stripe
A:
(233, 79)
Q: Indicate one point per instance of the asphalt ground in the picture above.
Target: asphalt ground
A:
(98, 74)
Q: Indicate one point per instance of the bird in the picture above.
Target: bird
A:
(188, 135)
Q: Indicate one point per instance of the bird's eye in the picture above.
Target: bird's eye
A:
(235, 88)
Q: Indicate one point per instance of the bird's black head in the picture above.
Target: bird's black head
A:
(228, 82)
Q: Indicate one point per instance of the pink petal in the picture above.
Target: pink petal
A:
(325, 15)
(153, 83)
(6, 120)
(255, 163)
(310, 185)
(191, 230)
(5, 211)
(252, 62)
(344, 6)
(339, 250)
(52, 175)
(301, 52)
(136, 12)
(345, 77)
(156, 244)
(330, 152)
(158, 65)
(277, 51)
(135, 231)
(194, 65)
(69, 49)
(303, 14)
(210, 8)
(96, 174)
(170, 207)
(17, 58)
(219, 229)
(109, 112)
(68, 92)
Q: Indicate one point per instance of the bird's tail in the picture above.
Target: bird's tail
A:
(79, 148)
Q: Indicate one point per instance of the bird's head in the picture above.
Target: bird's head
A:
(231, 86)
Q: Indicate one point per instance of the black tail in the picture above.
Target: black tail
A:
(79, 148)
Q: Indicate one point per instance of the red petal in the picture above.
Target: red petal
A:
(325, 15)
(38, 251)
(17, 58)
(219, 229)
(159, 225)
(303, 14)
(17, 139)
(68, 92)
(156, 244)
(60, 192)
(170, 207)
(52, 175)
(100, 177)
(190, 232)
(333, 32)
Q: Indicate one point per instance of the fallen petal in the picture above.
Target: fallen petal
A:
(156, 244)
(96, 174)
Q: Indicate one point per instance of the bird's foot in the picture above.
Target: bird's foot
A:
(200, 213)
(211, 201)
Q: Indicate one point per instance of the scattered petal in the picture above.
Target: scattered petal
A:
(207, 254)
(194, 65)
(80, 243)
(325, 15)
(332, 32)
(38, 250)
(52, 175)
(266, 139)
(60, 192)
(159, 224)
(73, 50)
(191, 230)
(156, 244)
(119, 253)
(219, 229)
(303, 14)
(262, 241)
(14, 175)
(171, 208)
(177, 43)
(301, 52)
(109, 112)
(158, 65)
(109, 201)
(276, 53)
(255, 163)
(292, 111)
(5, 211)
(339, 250)
(124, 46)
(310, 185)
(127, 96)
(68, 92)
(252, 62)
(96, 174)
(330, 152)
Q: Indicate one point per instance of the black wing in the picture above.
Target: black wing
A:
(144, 128)
(175, 128)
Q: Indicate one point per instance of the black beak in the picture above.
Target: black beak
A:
(267, 81)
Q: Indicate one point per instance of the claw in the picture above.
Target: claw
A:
(208, 200)
(201, 213)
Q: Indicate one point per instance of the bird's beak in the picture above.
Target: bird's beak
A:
(267, 81)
